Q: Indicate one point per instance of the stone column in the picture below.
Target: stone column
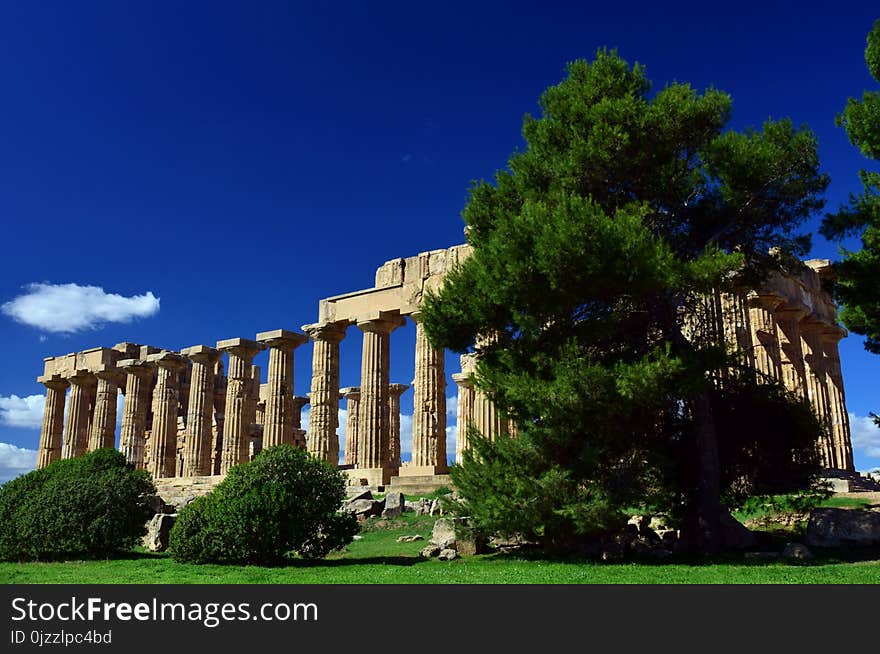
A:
(76, 429)
(323, 442)
(237, 418)
(256, 414)
(737, 325)
(486, 418)
(299, 401)
(840, 429)
(53, 419)
(394, 393)
(464, 414)
(132, 436)
(429, 408)
(103, 429)
(166, 401)
(788, 320)
(352, 394)
(197, 460)
(278, 427)
(373, 412)
(765, 338)
(817, 382)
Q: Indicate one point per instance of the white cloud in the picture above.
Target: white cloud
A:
(18, 411)
(68, 308)
(865, 435)
(15, 461)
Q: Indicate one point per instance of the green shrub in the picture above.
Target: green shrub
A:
(283, 502)
(91, 506)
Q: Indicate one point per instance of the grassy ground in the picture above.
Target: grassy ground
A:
(377, 557)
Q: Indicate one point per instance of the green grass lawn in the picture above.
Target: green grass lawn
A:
(377, 558)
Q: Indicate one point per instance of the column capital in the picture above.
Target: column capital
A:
(201, 354)
(767, 301)
(791, 312)
(167, 359)
(135, 366)
(462, 379)
(833, 333)
(299, 401)
(812, 326)
(351, 392)
(240, 347)
(382, 322)
(281, 338)
(112, 375)
(331, 332)
(397, 389)
(55, 382)
(82, 376)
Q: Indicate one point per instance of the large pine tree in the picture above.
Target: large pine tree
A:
(623, 210)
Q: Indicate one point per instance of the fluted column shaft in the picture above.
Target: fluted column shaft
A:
(352, 396)
(52, 430)
(103, 429)
(794, 373)
(394, 393)
(323, 442)
(429, 404)
(132, 435)
(278, 426)
(76, 428)
(373, 418)
(464, 414)
(166, 402)
(817, 383)
(298, 403)
(197, 457)
(737, 323)
(765, 338)
(840, 428)
(236, 428)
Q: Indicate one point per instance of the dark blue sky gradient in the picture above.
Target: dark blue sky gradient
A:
(242, 162)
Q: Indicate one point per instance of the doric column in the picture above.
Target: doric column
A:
(166, 403)
(103, 429)
(299, 401)
(765, 339)
(394, 393)
(278, 427)
(352, 394)
(132, 435)
(817, 382)
(486, 418)
(840, 429)
(737, 325)
(788, 320)
(373, 412)
(53, 419)
(76, 429)
(429, 408)
(237, 418)
(464, 413)
(197, 459)
(323, 442)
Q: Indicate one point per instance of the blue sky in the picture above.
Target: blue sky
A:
(240, 162)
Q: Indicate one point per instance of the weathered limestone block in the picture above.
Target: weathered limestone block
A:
(395, 504)
(836, 527)
(158, 530)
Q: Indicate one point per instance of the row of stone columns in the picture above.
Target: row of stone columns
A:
(790, 344)
(372, 443)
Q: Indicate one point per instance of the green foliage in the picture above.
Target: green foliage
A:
(95, 505)
(625, 210)
(283, 502)
(856, 286)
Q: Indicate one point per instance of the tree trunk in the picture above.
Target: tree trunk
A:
(708, 506)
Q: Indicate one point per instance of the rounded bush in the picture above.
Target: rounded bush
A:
(283, 502)
(92, 506)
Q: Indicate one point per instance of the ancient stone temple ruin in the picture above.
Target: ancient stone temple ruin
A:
(187, 417)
